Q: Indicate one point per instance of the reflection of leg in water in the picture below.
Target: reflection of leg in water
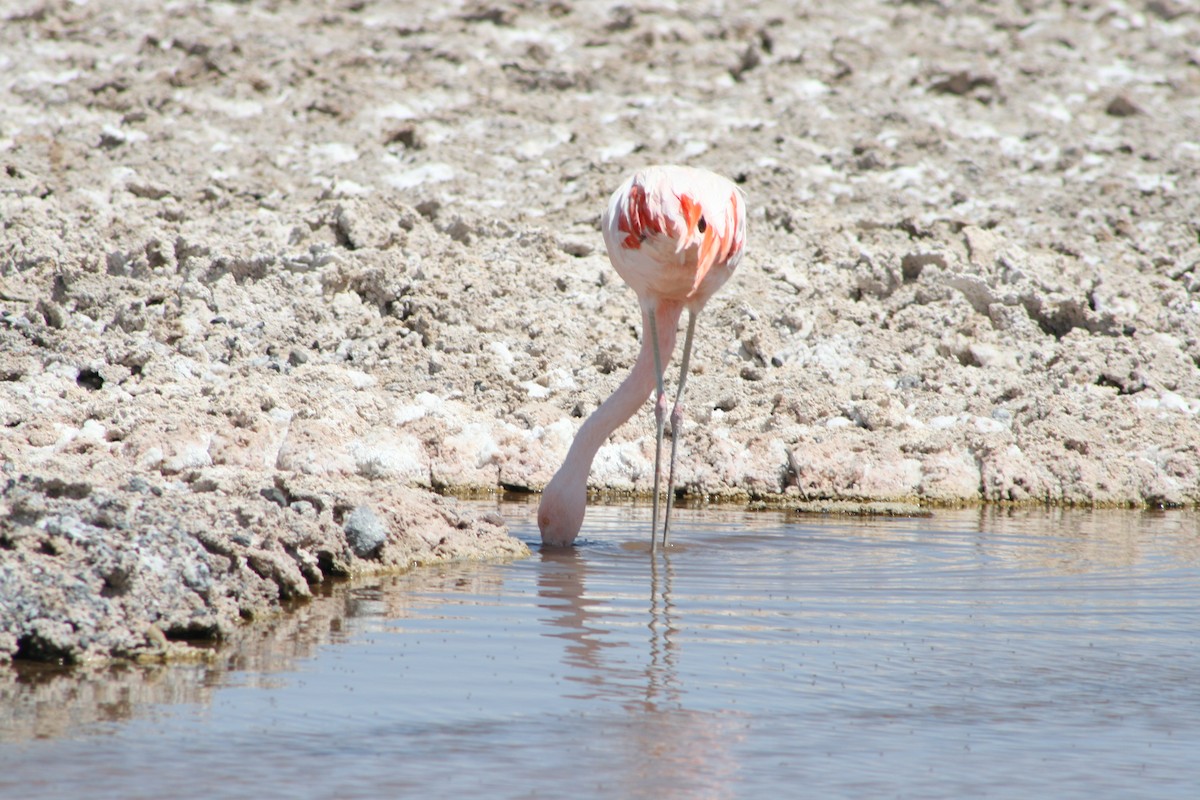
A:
(661, 677)
(680, 750)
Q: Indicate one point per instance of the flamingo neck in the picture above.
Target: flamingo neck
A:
(630, 395)
(566, 494)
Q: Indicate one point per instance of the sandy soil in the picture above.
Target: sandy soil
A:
(271, 271)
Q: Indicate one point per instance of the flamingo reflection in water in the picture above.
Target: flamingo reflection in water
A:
(662, 743)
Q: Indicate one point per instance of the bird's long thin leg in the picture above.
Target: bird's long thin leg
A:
(677, 420)
(660, 413)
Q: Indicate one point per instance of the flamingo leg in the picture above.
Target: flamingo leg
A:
(660, 412)
(676, 424)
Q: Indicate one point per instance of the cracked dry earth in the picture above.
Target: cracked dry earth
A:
(275, 272)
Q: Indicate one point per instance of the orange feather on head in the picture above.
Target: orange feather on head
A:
(693, 215)
(637, 219)
(692, 212)
(630, 223)
(732, 231)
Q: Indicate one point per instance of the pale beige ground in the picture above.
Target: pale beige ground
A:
(265, 263)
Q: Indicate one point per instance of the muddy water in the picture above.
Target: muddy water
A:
(971, 654)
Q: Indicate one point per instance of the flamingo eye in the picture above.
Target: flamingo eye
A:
(702, 226)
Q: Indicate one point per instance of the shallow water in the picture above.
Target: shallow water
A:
(972, 654)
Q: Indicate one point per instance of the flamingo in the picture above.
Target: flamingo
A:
(674, 234)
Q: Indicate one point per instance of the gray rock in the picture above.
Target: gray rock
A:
(365, 532)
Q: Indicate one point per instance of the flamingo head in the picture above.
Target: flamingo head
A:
(560, 513)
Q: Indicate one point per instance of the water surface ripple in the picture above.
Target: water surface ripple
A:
(1023, 654)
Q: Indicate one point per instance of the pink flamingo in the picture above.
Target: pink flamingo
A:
(675, 235)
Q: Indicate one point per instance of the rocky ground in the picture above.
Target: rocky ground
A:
(273, 271)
